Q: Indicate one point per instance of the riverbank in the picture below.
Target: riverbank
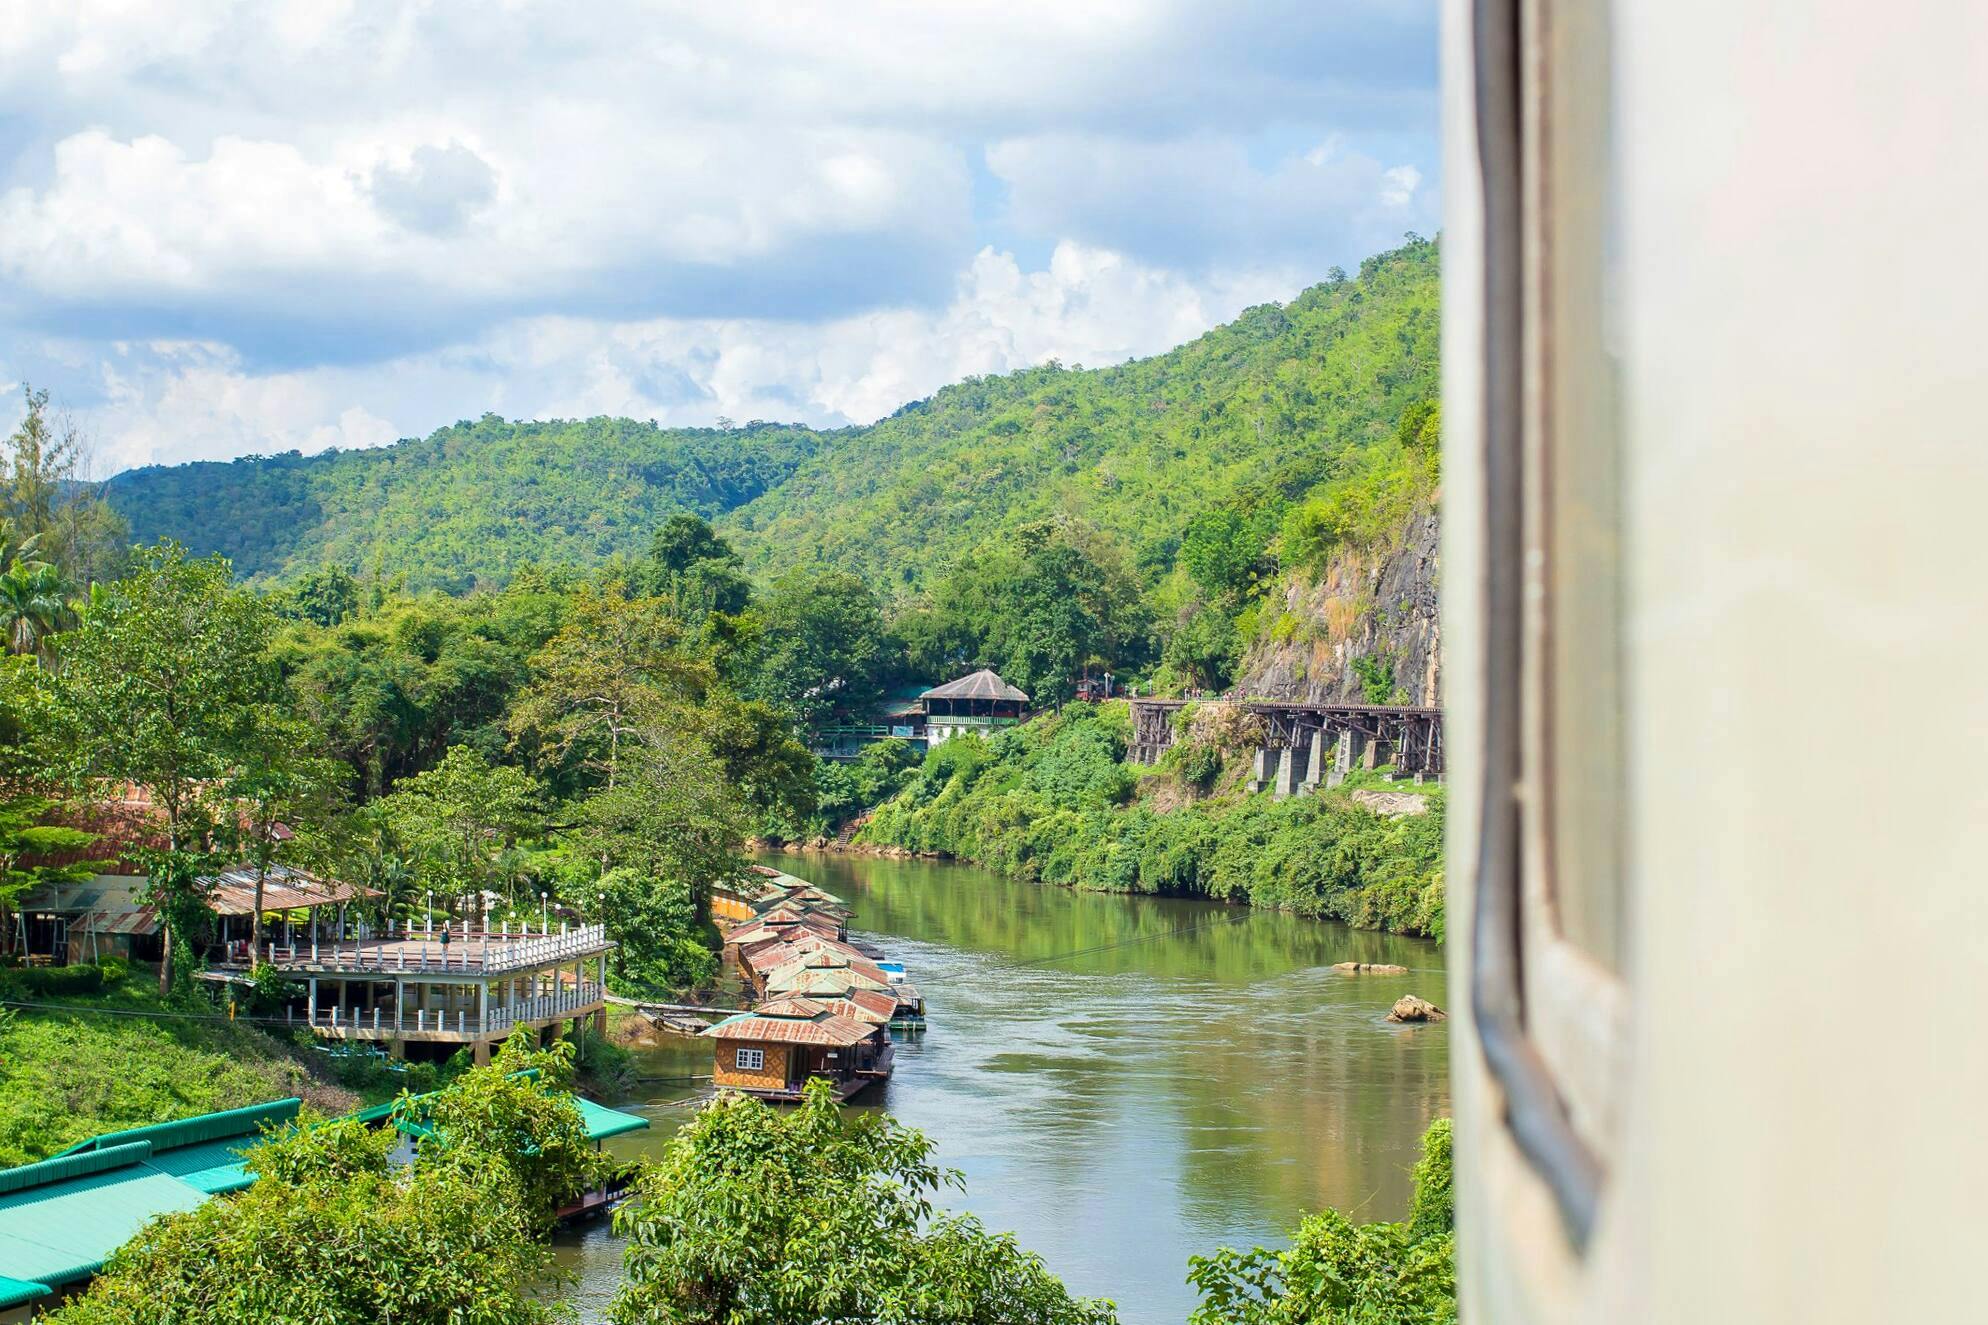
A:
(1054, 801)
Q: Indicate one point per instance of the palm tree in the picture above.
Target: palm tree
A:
(34, 605)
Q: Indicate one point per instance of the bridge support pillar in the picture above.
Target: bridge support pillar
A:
(1314, 760)
(1264, 769)
(1343, 755)
(1287, 772)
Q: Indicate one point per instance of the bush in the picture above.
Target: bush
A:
(1336, 1270)
(57, 981)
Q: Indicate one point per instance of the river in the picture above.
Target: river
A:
(1124, 1081)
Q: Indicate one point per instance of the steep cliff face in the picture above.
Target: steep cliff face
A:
(1365, 631)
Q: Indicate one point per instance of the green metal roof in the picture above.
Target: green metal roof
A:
(15, 1292)
(603, 1122)
(61, 1219)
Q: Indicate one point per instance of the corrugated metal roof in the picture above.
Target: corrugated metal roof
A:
(983, 684)
(871, 1005)
(179, 1132)
(232, 892)
(794, 1021)
(829, 982)
(17, 1292)
(61, 1219)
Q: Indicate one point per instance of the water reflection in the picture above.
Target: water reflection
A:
(1126, 1081)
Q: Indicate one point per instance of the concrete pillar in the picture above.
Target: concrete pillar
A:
(313, 1014)
(1314, 760)
(1264, 769)
(1342, 759)
(1287, 773)
(480, 1053)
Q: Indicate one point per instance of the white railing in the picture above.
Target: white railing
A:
(471, 954)
(549, 948)
(459, 1021)
(569, 998)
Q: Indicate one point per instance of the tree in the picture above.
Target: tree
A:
(332, 1233)
(1041, 604)
(672, 827)
(694, 569)
(515, 1115)
(279, 788)
(822, 646)
(615, 666)
(74, 527)
(458, 814)
(1336, 1272)
(757, 1217)
(773, 772)
(34, 605)
(33, 850)
(160, 683)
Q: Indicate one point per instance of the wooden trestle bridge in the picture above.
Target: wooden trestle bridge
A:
(1306, 745)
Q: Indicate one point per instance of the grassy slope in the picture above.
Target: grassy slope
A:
(1275, 402)
(65, 1076)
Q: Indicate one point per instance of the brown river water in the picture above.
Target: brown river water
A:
(1124, 1081)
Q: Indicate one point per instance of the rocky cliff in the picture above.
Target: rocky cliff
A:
(1367, 630)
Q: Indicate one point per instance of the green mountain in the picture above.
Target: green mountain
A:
(465, 506)
(1258, 413)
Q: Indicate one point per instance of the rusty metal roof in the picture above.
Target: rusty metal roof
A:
(794, 1021)
(871, 1005)
(833, 983)
(232, 892)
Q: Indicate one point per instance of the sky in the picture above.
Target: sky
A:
(243, 228)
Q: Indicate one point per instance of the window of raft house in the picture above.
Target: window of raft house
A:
(751, 1060)
(1549, 932)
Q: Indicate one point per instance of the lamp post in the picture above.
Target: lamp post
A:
(541, 912)
(428, 910)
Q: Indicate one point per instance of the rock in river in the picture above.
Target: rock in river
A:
(1369, 968)
(1410, 1008)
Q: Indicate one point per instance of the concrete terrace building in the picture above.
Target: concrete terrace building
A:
(975, 704)
(446, 987)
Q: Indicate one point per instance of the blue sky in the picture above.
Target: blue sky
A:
(238, 228)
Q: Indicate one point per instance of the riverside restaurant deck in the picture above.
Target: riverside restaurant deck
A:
(442, 986)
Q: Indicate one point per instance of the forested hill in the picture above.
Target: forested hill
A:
(1259, 411)
(1256, 413)
(465, 506)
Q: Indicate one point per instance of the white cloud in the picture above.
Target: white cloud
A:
(168, 402)
(249, 225)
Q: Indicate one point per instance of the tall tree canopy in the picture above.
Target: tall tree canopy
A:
(755, 1216)
(161, 683)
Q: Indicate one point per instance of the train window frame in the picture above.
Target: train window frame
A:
(1573, 887)
(1548, 999)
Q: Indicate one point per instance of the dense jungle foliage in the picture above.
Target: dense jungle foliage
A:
(1053, 802)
